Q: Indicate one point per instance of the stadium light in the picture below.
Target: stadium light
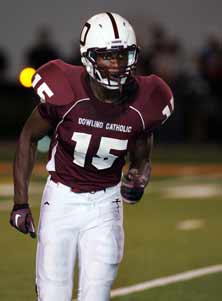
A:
(25, 77)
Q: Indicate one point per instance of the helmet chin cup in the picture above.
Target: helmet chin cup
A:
(112, 84)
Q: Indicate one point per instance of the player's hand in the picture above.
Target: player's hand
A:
(132, 188)
(21, 219)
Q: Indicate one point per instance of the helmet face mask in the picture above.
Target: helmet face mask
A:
(104, 38)
(111, 76)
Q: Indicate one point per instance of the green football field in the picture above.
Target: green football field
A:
(174, 229)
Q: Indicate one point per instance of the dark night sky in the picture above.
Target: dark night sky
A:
(190, 20)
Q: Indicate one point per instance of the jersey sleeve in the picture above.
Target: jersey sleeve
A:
(52, 85)
(49, 112)
(161, 104)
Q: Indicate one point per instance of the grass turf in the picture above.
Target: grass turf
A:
(154, 248)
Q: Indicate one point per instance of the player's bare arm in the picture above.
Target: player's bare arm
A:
(138, 175)
(35, 128)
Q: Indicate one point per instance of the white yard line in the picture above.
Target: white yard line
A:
(165, 280)
(190, 224)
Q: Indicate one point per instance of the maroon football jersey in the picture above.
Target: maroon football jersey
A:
(92, 138)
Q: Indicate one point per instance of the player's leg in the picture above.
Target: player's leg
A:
(96, 281)
(56, 248)
(100, 251)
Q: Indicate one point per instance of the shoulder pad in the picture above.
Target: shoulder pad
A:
(52, 85)
(162, 97)
(156, 103)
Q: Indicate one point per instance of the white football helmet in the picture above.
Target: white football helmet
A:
(112, 33)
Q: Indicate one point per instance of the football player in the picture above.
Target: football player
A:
(99, 113)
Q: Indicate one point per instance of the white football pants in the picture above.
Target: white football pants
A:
(87, 225)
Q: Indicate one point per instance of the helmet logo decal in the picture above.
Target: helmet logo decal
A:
(115, 28)
(84, 33)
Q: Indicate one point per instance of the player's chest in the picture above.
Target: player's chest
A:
(102, 127)
(101, 120)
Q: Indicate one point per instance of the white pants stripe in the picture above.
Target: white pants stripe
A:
(89, 225)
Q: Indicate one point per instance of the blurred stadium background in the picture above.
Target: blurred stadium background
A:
(176, 227)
